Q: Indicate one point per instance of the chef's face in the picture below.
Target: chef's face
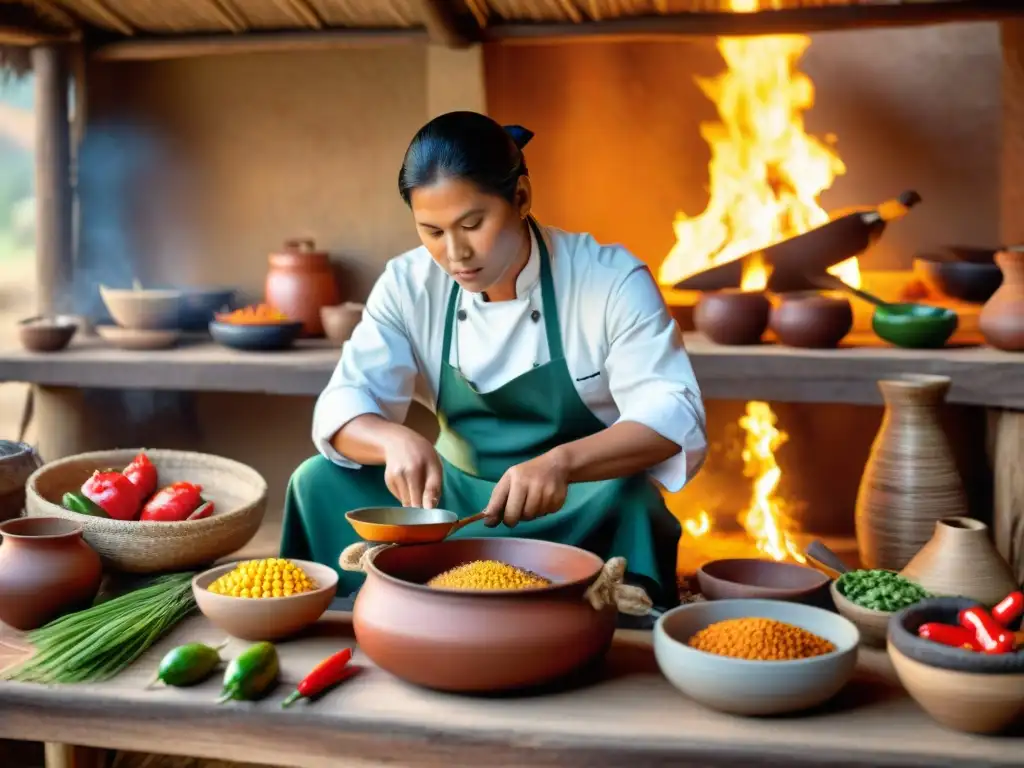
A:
(476, 237)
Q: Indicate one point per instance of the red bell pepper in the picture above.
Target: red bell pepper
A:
(1009, 609)
(991, 636)
(204, 510)
(142, 473)
(327, 673)
(948, 634)
(173, 503)
(114, 493)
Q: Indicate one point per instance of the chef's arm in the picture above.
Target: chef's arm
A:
(625, 448)
(366, 438)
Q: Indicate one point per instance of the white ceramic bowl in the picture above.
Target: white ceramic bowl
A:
(143, 309)
(745, 687)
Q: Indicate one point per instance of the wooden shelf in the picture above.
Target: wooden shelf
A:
(981, 376)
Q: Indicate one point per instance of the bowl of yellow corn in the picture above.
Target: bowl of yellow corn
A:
(265, 599)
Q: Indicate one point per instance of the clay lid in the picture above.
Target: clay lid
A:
(299, 252)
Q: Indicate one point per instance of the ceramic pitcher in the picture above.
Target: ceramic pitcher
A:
(911, 480)
(1002, 318)
(17, 462)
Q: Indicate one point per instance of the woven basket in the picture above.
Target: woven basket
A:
(238, 492)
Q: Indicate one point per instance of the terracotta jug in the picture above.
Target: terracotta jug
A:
(46, 571)
(300, 282)
(17, 462)
(911, 479)
(960, 560)
(1002, 318)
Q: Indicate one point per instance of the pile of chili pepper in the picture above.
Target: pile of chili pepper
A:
(980, 630)
(131, 494)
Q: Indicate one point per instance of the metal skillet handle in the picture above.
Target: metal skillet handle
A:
(463, 523)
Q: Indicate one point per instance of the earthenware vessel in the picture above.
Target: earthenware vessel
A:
(300, 282)
(340, 321)
(732, 317)
(960, 560)
(17, 463)
(1002, 318)
(872, 624)
(144, 309)
(46, 334)
(811, 319)
(911, 479)
(472, 641)
(46, 571)
(963, 690)
(754, 578)
(960, 272)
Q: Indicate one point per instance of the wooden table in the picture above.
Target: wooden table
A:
(630, 716)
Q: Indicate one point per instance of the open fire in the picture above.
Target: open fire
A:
(765, 176)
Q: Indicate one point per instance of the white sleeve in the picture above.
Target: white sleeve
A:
(651, 378)
(376, 373)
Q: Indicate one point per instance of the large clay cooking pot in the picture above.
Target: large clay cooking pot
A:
(481, 642)
(46, 570)
(300, 282)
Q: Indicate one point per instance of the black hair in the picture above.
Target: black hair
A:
(466, 145)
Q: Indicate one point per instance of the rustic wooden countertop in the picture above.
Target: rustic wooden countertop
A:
(630, 716)
(981, 375)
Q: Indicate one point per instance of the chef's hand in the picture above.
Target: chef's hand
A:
(529, 490)
(412, 470)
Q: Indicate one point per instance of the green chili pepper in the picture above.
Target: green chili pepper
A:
(188, 664)
(76, 502)
(251, 673)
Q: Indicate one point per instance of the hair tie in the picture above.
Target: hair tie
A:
(520, 136)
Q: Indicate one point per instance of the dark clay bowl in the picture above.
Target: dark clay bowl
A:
(967, 274)
(732, 317)
(811, 320)
(481, 642)
(963, 690)
(914, 326)
(764, 579)
(46, 334)
(255, 338)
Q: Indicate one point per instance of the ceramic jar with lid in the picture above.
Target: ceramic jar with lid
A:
(300, 281)
(1002, 318)
(46, 571)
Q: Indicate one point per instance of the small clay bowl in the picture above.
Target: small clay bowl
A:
(811, 320)
(914, 326)
(960, 272)
(143, 309)
(963, 690)
(753, 578)
(733, 317)
(265, 618)
(339, 321)
(138, 339)
(255, 338)
(749, 687)
(873, 625)
(46, 334)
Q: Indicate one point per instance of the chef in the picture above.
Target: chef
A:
(559, 379)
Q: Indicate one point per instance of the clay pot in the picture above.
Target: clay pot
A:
(811, 320)
(340, 321)
(46, 571)
(464, 641)
(911, 480)
(1002, 318)
(732, 317)
(960, 560)
(17, 462)
(300, 282)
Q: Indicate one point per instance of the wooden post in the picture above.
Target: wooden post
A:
(54, 207)
(68, 756)
(1008, 503)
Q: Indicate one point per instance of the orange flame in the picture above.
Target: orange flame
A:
(766, 172)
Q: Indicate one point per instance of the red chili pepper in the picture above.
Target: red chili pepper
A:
(142, 473)
(328, 672)
(114, 493)
(948, 634)
(1009, 609)
(173, 503)
(204, 510)
(990, 635)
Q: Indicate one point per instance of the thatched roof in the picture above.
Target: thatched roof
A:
(456, 22)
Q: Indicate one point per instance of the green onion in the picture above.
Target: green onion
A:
(100, 642)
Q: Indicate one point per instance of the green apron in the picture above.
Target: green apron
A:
(482, 435)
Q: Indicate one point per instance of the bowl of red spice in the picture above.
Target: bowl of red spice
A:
(756, 657)
(961, 662)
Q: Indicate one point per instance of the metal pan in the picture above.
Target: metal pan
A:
(406, 525)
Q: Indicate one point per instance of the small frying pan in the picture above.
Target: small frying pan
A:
(406, 525)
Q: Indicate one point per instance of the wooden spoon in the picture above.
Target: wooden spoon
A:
(825, 560)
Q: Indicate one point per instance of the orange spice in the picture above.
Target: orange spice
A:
(760, 640)
(257, 314)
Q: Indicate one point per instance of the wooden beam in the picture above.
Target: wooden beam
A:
(109, 15)
(184, 46)
(302, 11)
(54, 217)
(30, 37)
(442, 24)
(56, 12)
(229, 15)
(794, 20)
